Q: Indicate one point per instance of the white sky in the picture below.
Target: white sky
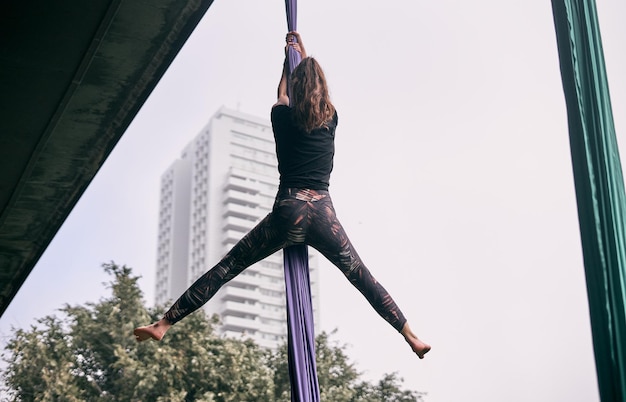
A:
(452, 177)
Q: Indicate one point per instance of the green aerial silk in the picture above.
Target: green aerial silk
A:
(599, 187)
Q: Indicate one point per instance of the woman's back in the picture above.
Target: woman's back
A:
(305, 159)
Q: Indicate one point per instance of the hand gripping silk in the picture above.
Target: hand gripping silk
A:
(300, 330)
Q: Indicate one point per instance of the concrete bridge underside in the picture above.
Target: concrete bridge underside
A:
(73, 75)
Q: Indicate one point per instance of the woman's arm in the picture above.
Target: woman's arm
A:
(283, 98)
(294, 40)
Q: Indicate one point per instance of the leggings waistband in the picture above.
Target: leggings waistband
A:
(303, 194)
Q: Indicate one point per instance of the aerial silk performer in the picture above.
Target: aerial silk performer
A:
(300, 319)
(303, 214)
(599, 187)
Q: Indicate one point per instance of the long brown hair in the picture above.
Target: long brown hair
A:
(310, 100)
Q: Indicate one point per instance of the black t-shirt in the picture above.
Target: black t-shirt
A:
(305, 160)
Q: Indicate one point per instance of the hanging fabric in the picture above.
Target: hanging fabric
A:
(300, 328)
(599, 187)
(301, 334)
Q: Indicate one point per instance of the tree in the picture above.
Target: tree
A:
(89, 353)
(387, 389)
(338, 378)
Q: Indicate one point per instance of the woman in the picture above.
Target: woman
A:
(303, 211)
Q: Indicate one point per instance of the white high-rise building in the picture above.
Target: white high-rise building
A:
(223, 184)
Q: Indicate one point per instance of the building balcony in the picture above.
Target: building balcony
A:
(279, 330)
(233, 323)
(272, 272)
(245, 281)
(243, 211)
(238, 335)
(233, 307)
(239, 184)
(233, 223)
(274, 315)
(238, 197)
(271, 299)
(238, 294)
(265, 284)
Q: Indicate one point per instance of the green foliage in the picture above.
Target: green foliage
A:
(90, 354)
(339, 379)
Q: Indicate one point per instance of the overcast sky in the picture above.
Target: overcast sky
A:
(452, 177)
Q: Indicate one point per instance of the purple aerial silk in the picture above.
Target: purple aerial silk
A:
(301, 333)
(293, 57)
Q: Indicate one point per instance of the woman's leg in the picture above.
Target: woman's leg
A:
(327, 235)
(262, 241)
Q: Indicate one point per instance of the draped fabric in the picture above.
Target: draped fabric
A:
(300, 329)
(293, 57)
(599, 187)
(301, 336)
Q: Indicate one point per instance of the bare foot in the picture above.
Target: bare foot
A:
(420, 348)
(154, 331)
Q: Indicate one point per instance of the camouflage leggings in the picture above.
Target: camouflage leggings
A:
(298, 216)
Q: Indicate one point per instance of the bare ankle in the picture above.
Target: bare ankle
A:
(164, 323)
(155, 331)
(419, 347)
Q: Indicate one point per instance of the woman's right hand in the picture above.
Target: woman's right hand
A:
(294, 40)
